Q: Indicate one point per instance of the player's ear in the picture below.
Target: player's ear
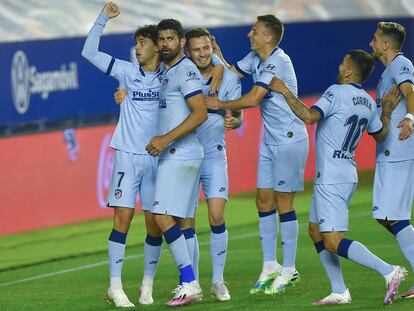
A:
(182, 42)
(387, 45)
(269, 38)
(349, 72)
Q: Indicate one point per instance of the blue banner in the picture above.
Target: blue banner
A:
(47, 84)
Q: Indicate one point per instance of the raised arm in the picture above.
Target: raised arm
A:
(90, 49)
(217, 51)
(303, 112)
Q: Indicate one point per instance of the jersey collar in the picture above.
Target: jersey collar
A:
(358, 86)
(179, 61)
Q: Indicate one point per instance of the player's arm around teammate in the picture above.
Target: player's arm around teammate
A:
(328, 220)
(283, 151)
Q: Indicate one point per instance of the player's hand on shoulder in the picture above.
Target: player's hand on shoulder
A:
(277, 85)
(391, 99)
(111, 9)
(156, 145)
(120, 95)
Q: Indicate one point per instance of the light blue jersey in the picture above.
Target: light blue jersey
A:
(346, 112)
(138, 120)
(211, 132)
(400, 70)
(179, 83)
(281, 125)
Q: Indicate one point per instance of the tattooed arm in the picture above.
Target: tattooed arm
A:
(303, 112)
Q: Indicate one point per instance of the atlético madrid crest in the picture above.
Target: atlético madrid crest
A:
(118, 193)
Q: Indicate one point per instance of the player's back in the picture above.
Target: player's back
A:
(346, 112)
(400, 70)
(179, 83)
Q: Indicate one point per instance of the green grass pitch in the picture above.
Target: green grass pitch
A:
(64, 268)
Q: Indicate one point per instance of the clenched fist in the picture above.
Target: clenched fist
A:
(111, 10)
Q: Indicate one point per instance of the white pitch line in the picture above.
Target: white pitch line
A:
(101, 263)
(105, 262)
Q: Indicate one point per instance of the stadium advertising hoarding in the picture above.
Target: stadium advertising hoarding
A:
(63, 176)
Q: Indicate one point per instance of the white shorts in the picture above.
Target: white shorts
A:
(329, 207)
(132, 174)
(177, 188)
(393, 190)
(214, 178)
(282, 167)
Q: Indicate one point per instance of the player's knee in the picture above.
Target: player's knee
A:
(158, 219)
(264, 204)
(312, 230)
(284, 202)
(216, 218)
(153, 229)
(122, 221)
(122, 226)
(330, 244)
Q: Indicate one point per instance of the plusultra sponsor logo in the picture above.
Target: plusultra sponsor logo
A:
(27, 80)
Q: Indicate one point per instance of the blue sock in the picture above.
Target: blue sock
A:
(178, 248)
(196, 256)
(189, 240)
(218, 251)
(289, 236)
(358, 253)
(152, 253)
(332, 265)
(268, 232)
(116, 252)
(404, 233)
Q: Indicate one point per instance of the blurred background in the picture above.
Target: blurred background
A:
(57, 112)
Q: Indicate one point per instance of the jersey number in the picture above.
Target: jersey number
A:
(121, 176)
(356, 128)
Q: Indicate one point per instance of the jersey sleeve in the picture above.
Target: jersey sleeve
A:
(246, 65)
(402, 72)
(375, 125)
(216, 60)
(104, 62)
(270, 70)
(190, 82)
(325, 104)
(233, 88)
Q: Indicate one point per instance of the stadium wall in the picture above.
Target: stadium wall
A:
(52, 174)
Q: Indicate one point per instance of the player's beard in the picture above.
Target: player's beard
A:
(168, 55)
